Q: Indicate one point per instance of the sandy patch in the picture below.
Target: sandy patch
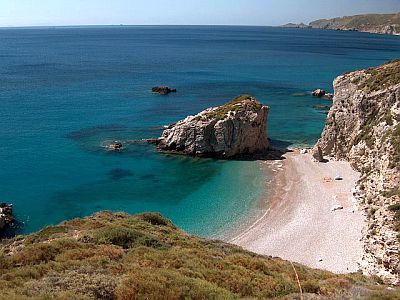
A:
(312, 218)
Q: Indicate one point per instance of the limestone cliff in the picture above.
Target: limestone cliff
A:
(234, 129)
(363, 126)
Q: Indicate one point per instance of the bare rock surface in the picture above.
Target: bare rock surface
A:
(363, 127)
(237, 128)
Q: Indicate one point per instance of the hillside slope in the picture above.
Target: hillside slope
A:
(374, 23)
(363, 126)
(118, 256)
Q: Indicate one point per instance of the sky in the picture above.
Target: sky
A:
(182, 12)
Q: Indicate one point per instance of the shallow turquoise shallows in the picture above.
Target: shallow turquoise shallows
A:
(66, 91)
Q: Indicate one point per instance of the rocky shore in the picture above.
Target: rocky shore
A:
(6, 215)
(363, 127)
(236, 128)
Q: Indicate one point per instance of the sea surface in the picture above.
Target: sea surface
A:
(66, 92)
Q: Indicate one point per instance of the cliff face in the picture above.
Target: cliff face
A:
(363, 126)
(373, 23)
(236, 128)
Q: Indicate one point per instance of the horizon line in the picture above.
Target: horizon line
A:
(132, 25)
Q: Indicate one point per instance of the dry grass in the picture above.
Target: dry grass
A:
(118, 256)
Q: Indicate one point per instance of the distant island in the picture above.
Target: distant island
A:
(294, 25)
(372, 23)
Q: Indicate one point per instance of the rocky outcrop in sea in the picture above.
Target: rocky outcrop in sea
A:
(163, 90)
(234, 129)
(363, 127)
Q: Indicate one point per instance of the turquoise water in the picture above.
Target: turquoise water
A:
(64, 91)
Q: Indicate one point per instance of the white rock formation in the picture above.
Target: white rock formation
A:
(236, 128)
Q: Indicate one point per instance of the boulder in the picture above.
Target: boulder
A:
(318, 93)
(317, 154)
(236, 128)
(163, 90)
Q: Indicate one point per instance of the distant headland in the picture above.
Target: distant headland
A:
(372, 23)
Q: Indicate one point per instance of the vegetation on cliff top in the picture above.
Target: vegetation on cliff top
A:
(118, 256)
(355, 22)
(240, 103)
(383, 76)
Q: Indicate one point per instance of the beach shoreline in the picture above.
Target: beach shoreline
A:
(309, 217)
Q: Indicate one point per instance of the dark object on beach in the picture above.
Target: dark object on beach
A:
(163, 90)
(116, 146)
(319, 93)
(318, 155)
(6, 215)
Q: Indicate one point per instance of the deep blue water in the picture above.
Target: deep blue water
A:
(64, 91)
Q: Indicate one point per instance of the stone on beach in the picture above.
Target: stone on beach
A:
(337, 207)
(317, 154)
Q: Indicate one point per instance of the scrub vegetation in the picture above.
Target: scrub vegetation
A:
(119, 256)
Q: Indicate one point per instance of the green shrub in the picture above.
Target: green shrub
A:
(117, 256)
(117, 235)
(155, 219)
(389, 117)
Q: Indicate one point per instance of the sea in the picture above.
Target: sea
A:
(65, 92)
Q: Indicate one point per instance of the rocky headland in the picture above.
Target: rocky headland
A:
(372, 23)
(236, 128)
(363, 127)
(295, 25)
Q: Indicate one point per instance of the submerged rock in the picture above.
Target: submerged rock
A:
(116, 146)
(322, 107)
(328, 96)
(236, 128)
(163, 90)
